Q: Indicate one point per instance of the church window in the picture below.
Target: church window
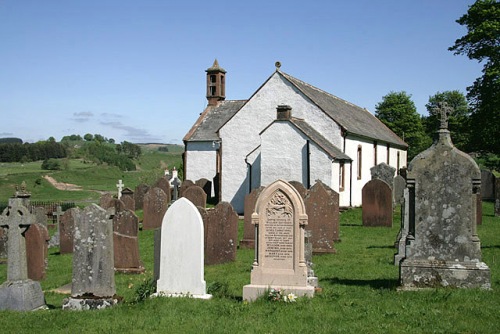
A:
(360, 155)
(341, 176)
(375, 153)
(388, 153)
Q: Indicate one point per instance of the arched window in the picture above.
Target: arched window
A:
(359, 156)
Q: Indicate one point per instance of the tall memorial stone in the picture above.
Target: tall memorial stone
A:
(155, 206)
(126, 243)
(139, 193)
(181, 254)
(322, 207)
(248, 240)
(37, 248)
(279, 217)
(164, 184)
(67, 230)
(443, 248)
(377, 203)
(18, 293)
(487, 185)
(221, 233)
(93, 284)
(383, 172)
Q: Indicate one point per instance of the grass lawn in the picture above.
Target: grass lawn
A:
(359, 295)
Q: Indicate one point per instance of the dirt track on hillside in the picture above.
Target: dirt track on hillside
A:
(62, 185)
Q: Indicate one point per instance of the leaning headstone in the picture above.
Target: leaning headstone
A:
(185, 185)
(322, 207)
(221, 234)
(383, 172)
(105, 201)
(93, 284)
(155, 206)
(126, 243)
(206, 185)
(376, 197)
(37, 247)
(497, 197)
(300, 188)
(443, 248)
(487, 185)
(398, 186)
(196, 195)
(280, 216)
(67, 230)
(139, 193)
(18, 293)
(164, 185)
(128, 199)
(248, 240)
(181, 263)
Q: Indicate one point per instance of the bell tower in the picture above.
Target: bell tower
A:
(216, 84)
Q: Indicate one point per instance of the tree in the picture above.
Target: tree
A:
(458, 122)
(399, 113)
(88, 137)
(482, 43)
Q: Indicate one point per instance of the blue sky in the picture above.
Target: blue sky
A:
(135, 70)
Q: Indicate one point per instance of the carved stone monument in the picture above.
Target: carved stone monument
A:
(279, 217)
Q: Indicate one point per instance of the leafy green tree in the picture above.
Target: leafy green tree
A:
(88, 137)
(458, 122)
(399, 113)
(482, 43)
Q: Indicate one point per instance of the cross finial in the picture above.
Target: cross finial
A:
(444, 112)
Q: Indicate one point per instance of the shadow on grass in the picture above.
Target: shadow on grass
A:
(390, 284)
(493, 246)
(348, 224)
(382, 247)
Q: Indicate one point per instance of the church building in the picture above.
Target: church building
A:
(286, 130)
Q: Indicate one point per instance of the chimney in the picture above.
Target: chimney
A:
(283, 112)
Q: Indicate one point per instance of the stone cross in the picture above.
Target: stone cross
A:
(16, 218)
(120, 186)
(444, 112)
(58, 213)
(176, 183)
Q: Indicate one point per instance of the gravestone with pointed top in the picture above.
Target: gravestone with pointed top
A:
(155, 206)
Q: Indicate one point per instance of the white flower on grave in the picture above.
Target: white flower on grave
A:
(290, 298)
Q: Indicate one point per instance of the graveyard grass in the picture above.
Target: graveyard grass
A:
(359, 295)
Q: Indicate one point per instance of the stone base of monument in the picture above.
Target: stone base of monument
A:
(80, 304)
(180, 295)
(138, 270)
(252, 291)
(421, 274)
(24, 295)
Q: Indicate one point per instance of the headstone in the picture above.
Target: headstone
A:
(280, 216)
(383, 172)
(312, 280)
(3, 245)
(206, 185)
(479, 209)
(181, 263)
(300, 188)
(55, 239)
(18, 293)
(117, 205)
(128, 199)
(37, 238)
(376, 197)
(217, 185)
(105, 201)
(443, 248)
(185, 185)
(403, 231)
(164, 185)
(322, 207)
(487, 185)
(497, 197)
(398, 186)
(93, 284)
(196, 195)
(126, 243)
(139, 193)
(155, 206)
(67, 230)
(221, 234)
(40, 215)
(120, 187)
(248, 240)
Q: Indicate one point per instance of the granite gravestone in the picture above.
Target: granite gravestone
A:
(443, 248)
(40, 215)
(54, 240)
(155, 206)
(221, 233)
(248, 240)
(3, 246)
(105, 201)
(139, 193)
(376, 197)
(181, 255)
(300, 188)
(383, 172)
(164, 185)
(398, 186)
(280, 216)
(18, 293)
(400, 243)
(322, 207)
(196, 195)
(126, 243)
(67, 229)
(206, 185)
(487, 185)
(128, 199)
(37, 247)
(185, 185)
(93, 284)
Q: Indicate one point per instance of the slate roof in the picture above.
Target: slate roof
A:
(351, 118)
(210, 121)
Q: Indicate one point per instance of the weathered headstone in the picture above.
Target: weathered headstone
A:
(40, 215)
(93, 284)
(487, 185)
(105, 201)
(443, 248)
(497, 197)
(139, 193)
(185, 185)
(181, 263)
(398, 186)
(280, 216)
(312, 280)
(383, 172)
(155, 206)
(126, 243)
(400, 243)
(55, 239)
(67, 230)
(322, 207)
(479, 209)
(300, 188)
(221, 233)
(37, 238)
(248, 240)
(377, 203)
(164, 185)
(3, 246)
(196, 195)
(206, 185)
(19, 292)
(128, 198)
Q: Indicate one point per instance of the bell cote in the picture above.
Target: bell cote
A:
(216, 84)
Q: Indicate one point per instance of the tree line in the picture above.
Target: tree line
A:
(475, 123)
